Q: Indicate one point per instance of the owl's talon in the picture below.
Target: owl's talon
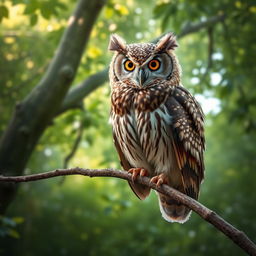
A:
(137, 172)
(159, 179)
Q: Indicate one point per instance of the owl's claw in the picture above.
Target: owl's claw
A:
(159, 179)
(137, 172)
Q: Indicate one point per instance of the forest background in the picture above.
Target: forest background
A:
(82, 216)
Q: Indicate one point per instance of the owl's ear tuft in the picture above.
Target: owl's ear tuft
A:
(117, 43)
(167, 42)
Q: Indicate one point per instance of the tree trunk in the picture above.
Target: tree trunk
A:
(36, 111)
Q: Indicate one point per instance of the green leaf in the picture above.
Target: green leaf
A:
(160, 10)
(33, 19)
(46, 10)
(13, 233)
(18, 220)
(4, 12)
(31, 8)
(61, 6)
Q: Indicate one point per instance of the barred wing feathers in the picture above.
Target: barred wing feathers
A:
(188, 138)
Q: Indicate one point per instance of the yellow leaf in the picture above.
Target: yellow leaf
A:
(94, 52)
(108, 12)
(122, 9)
(253, 9)
(13, 233)
(9, 40)
(238, 4)
(18, 220)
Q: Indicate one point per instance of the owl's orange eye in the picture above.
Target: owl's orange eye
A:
(129, 66)
(154, 65)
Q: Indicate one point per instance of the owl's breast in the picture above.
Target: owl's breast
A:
(145, 138)
(155, 137)
(126, 133)
(125, 98)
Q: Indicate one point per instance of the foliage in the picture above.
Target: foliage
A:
(81, 216)
(231, 51)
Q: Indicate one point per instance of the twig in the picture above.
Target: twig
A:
(75, 145)
(237, 236)
(210, 53)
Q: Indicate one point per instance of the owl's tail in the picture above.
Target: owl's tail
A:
(172, 210)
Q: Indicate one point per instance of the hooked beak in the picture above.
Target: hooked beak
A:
(141, 77)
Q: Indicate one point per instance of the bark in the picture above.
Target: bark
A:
(33, 114)
(237, 236)
(79, 92)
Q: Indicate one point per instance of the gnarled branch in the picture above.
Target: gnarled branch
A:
(237, 236)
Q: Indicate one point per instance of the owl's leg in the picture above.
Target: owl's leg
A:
(160, 179)
(137, 172)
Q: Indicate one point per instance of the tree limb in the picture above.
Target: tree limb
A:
(77, 93)
(237, 236)
(36, 111)
(210, 53)
(192, 28)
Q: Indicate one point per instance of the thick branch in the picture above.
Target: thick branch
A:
(192, 28)
(237, 236)
(33, 115)
(77, 93)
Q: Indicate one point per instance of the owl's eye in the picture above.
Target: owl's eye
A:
(154, 65)
(129, 66)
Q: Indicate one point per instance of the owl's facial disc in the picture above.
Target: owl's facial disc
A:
(143, 74)
(155, 67)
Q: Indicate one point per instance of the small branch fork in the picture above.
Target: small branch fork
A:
(237, 236)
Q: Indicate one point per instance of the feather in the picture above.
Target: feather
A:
(167, 42)
(139, 190)
(117, 43)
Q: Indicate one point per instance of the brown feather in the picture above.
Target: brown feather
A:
(139, 190)
(117, 43)
(188, 132)
(167, 42)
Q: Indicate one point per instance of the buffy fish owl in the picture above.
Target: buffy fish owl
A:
(158, 126)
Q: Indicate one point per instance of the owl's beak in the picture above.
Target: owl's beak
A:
(141, 77)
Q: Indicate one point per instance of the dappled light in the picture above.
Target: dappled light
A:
(65, 127)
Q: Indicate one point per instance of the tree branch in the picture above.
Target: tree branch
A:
(192, 28)
(210, 53)
(237, 236)
(36, 111)
(77, 93)
(75, 145)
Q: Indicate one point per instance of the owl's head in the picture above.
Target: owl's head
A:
(142, 65)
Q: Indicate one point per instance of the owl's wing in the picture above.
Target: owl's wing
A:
(188, 138)
(140, 191)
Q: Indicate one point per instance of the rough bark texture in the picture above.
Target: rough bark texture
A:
(32, 115)
(237, 236)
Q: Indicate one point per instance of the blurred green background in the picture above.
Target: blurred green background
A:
(101, 216)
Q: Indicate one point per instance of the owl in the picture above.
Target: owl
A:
(158, 126)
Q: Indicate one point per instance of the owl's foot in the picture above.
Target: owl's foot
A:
(160, 179)
(137, 172)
